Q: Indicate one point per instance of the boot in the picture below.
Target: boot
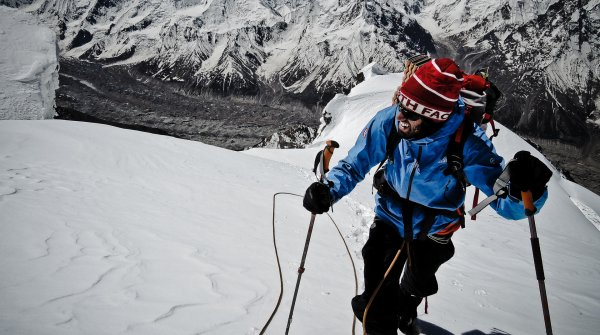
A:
(358, 306)
(377, 325)
(407, 322)
(408, 325)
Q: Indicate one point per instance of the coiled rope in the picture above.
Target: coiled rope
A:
(279, 263)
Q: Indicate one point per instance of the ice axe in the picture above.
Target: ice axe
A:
(321, 164)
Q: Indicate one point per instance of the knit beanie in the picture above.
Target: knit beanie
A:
(433, 90)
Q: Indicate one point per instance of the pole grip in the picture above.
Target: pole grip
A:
(328, 153)
(528, 203)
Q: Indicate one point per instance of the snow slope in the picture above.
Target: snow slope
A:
(155, 234)
(111, 231)
(28, 66)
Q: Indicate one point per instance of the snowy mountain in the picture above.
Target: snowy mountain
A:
(105, 230)
(542, 53)
(302, 47)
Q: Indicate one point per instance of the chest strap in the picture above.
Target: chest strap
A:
(408, 207)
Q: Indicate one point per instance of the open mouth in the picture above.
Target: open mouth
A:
(404, 125)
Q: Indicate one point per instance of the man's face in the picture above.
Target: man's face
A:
(410, 124)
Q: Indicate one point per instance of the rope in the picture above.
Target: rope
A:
(353, 267)
(264, 329)
(387, 272)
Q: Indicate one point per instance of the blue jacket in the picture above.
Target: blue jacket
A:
(429, 186)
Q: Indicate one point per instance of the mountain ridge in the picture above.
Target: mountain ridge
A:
(311, 50)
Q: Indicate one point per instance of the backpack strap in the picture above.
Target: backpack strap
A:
(454, 153)
(488, 117)
(475, 203)
(493, 94)
(408, 208)
(495, 131)
(391, 144)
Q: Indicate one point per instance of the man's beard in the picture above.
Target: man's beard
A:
(423, 130)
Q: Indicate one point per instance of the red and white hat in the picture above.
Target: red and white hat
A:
(433, 90)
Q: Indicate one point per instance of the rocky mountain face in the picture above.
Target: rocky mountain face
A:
(541, 53)
(123, 97)
(294, 137)
(309, 49)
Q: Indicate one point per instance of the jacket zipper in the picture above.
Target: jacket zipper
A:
(412, 173)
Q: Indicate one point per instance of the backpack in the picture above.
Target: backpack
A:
(480, 96)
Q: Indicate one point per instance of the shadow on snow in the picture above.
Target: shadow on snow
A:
(428, 328)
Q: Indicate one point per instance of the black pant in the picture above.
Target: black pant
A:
(399, 297)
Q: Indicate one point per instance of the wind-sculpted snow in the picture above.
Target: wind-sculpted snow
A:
(88, 238)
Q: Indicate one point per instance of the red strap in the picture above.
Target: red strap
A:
(459, 133)
(468, 109)
(475, 202)
(494, 130)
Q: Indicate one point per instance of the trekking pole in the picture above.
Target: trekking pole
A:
(321, 161)
(537, 256)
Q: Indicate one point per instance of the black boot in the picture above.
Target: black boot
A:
(408, 325)
(407, 322)
(377, 323)
(358, 306)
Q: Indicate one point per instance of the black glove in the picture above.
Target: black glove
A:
(527, 173)
(317, 199)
